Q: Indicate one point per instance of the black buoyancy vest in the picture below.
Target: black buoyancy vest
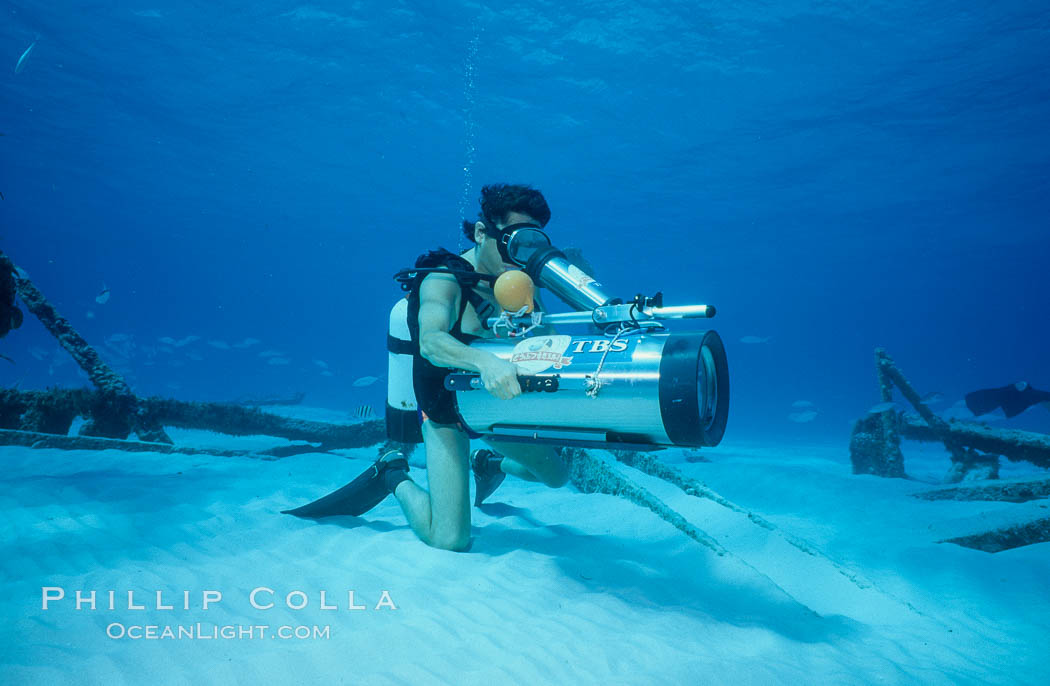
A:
(443, 261)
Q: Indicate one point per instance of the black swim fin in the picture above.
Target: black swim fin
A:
(1013, 399)
(360, 495)
(487, 473)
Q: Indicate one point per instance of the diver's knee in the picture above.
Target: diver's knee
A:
(456, 542)
(556, 473)
(556, 479)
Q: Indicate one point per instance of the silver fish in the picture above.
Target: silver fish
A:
(365, 381)
(882, 407)
(754, 339)
(103, 297)
(803, 417)
(22, 60)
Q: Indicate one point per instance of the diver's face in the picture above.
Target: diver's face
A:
(489, 257)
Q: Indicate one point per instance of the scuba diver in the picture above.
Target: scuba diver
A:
(10, 315)
(1012, 399)
(450, 297)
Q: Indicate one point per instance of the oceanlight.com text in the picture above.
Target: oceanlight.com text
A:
(212, 632)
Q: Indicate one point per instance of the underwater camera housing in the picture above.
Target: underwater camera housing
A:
(632, 385)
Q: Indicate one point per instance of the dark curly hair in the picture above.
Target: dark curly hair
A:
(499, 199)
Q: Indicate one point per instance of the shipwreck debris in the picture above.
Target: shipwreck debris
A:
(115, 410)
(53, 412)
(975, 448)
(1015, 491)
(975, 451)
(1007, 538)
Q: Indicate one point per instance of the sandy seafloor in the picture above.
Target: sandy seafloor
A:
(559, 587)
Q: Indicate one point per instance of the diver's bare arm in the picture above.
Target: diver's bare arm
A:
(438, 303)
(439, 297)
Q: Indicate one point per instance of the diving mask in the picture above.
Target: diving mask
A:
(519, 242)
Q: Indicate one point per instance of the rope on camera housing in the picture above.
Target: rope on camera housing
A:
(594, 382)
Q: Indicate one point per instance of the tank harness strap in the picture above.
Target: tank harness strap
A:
(398, 346)
(465, 276)
(483, 307)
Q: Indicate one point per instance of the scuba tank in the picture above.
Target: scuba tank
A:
(402, 411)
(402, 408)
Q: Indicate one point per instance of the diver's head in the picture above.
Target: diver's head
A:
(491, 245)
(504, 207)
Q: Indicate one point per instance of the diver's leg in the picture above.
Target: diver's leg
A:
(532, 462)
(441, 518)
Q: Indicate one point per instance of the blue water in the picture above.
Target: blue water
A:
(832, 176)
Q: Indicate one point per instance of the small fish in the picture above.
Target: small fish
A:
(167, 340)
(801, 403)
(882, 407)
(754, 339)
(187, 340)
(363, 412)
(365, 381)
(321, 363)
(247, 343)
(803, 417)
(103, 297)
(221, 345)
(278, 361)
(89, 314)
(22, 60)
(327, 373)
(270, 353)
(2, 197)
(8, 359)
(932, 398)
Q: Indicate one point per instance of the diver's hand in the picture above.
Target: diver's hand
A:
(500, 378)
